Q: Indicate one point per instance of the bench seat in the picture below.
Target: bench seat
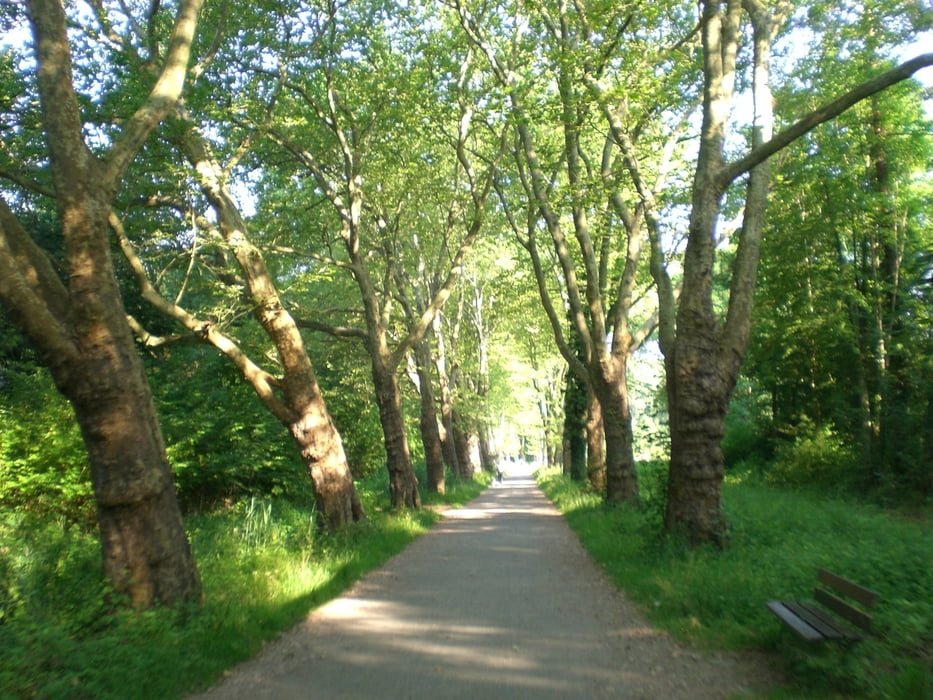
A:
(831, 618)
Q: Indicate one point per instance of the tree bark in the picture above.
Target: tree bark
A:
(575, 437)
(403, 484)
(145, 550)
(461, 432)
(430, 433)
(448, 444)
(595, 444)
(321, 449)
(612, 395)
(698, 397)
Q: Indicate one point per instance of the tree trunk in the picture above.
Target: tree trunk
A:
(403, 484)
(462, 443)
(475, 460)
(703, 363)
(95, 365)
(430, 433)
(81, 332)
(698, 398)
(489, 452)
(595, 444)
(145, 550)
(448, 439)
(321, 449)
(621, 480)
(574, 432)
(448, 444)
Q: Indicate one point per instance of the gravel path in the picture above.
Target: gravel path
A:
(498, 600)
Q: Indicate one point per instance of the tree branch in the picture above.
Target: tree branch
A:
(33, 293)
(162, 98)
(336, 331)
(824, 114)
(263, 382)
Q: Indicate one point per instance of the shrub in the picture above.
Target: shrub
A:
(43, 463)
(748, 424)
(819, 457)
(222, 443)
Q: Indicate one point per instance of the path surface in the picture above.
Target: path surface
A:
(498, 600)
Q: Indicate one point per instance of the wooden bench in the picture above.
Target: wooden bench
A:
(818, 624)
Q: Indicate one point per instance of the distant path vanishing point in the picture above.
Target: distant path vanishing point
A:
(498, 600)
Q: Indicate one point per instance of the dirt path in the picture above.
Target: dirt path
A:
(498, 600)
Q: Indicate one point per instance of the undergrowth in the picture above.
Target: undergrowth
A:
(778, 539)
(263, 563)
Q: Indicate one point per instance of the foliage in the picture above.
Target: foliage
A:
(346, 382)
(817, 458)
(220, 440)
(648, 391)
(221, 443)
(779, 538)
(43, 462)
(747, 437)
(841, 339)
(264, 564)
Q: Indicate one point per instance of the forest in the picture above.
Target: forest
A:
(277, 278)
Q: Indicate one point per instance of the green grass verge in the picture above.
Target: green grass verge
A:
(264, 566)
(778, 539)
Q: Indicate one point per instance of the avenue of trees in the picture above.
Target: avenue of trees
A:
(400, 225)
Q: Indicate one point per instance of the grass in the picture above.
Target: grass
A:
(264, 567)
(778, 539)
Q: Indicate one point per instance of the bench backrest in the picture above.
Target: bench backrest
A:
(834, 584)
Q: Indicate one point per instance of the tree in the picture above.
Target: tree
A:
(75, 319)
(429, 423)
(163, 219)
(339, 126)
(295, 397)
(598, 280)
(851, 288)
(702, 353)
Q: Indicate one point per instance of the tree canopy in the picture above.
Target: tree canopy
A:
(503, 202)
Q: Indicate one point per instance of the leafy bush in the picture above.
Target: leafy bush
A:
(222, 443)
(748, 423)
(48, 564)
(346, 382)
(818, 457)
(43, 462)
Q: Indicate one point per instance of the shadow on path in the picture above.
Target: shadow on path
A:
(498, 600)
